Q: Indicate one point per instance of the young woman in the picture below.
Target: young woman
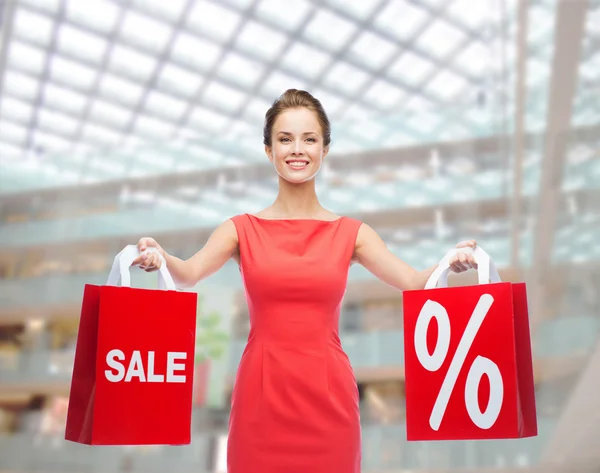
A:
(295, 401)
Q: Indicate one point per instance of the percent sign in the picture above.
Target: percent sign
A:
(433, 362)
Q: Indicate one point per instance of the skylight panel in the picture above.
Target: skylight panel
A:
(170, 10)
(71, 73)
(357, 112)
(131, 63)
(257, 108)
(97, 15)
(440, 38)
(411, 68)
(15, 109)
(49, 6)
(153, 128)
(110, 114)
(224, 97)
(383, 94)
(167, 107)
(331, 103)
(56, 122)
(330, 30)
(372, 50)
(64, 99)
(357, 8)
(205, 119)
(72, 41)
(26, 58)
(123, 91)
(33, 27)
(446, 85)
(240, 69)
(294, 11)
(345, 77)
(475, 59)
(50, 142)
(100, 135)
(475, 15)
(135, 29)
(260, 40)
(277, 83)
(20, 85)
(9, 151)
(179, 81)
(305, 60)
(198, 53)
(401, 19)
(12, 132)
(213, 20)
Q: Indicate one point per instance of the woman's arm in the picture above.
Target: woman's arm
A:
(220, 247)
(372, 253)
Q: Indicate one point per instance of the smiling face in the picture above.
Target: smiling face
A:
(297, 150)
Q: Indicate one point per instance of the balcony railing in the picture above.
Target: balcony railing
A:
(384, 449)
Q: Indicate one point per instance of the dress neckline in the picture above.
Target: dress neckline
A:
(295, 219)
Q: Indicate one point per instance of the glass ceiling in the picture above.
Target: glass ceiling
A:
(87, 92)
(88, 95)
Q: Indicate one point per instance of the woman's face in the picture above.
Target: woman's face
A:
(297, 150)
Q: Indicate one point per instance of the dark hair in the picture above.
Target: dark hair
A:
(293, 98)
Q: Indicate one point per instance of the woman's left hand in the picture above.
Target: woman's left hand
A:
(461, 262)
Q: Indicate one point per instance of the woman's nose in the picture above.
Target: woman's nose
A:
(298, 147)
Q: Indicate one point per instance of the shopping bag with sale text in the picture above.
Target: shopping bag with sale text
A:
(468, 360)
(133, 370)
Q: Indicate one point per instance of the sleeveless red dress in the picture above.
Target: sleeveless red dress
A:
(294, 405)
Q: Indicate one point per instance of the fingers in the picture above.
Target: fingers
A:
(146, 242)
(148, 261)
(467, 244)
(461, 262)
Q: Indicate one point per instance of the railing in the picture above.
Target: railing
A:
(572, 245)
(556, 338)
(384, 449)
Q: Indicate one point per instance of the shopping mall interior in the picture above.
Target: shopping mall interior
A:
(451, 120)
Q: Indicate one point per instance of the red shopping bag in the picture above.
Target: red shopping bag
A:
(468, 361)
(133, 370)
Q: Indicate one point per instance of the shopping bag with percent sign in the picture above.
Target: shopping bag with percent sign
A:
(133, 369)
(468, 361)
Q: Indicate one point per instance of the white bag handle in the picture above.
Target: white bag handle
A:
(486, 268)
(122, 264)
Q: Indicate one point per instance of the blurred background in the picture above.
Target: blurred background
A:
(452, 119)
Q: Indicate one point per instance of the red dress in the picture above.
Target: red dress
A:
(295, 404)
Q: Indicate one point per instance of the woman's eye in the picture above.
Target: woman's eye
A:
(285, 140)
(311, 139)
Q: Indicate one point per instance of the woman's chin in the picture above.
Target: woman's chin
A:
(297, 176)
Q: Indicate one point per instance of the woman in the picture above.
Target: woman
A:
(295, 400)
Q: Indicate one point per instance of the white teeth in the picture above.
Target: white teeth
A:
(297, 164)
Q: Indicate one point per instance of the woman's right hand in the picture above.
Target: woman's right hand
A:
(148, 261)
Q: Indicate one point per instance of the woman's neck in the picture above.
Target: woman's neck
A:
(296, 201)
